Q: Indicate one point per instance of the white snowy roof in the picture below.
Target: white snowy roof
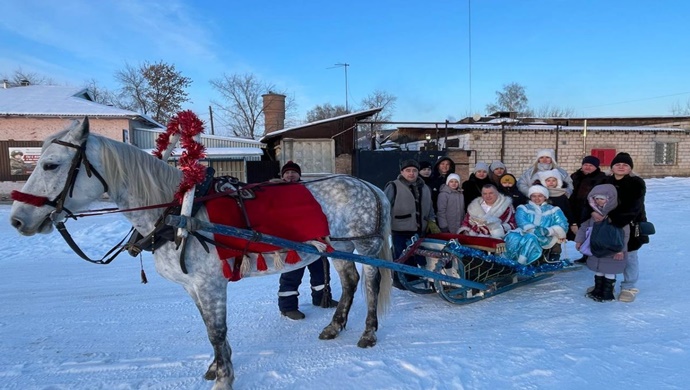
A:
(236, 153)
(53, 100)
(533, 127)
(364, 113)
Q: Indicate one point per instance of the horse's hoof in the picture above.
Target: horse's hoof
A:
(210, 374)
(328, 333)
(367, 340)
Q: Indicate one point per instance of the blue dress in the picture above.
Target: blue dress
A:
(539, 228)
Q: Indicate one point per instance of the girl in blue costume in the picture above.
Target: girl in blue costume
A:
(540, 226)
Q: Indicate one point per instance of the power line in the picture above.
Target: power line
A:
(637, 100)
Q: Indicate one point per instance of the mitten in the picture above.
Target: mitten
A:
(432, 227)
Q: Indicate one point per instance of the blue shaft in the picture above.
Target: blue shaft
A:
(193, 224)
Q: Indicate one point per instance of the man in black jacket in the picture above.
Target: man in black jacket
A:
(584, 179)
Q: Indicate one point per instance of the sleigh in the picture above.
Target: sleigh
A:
(477, 265)
(461, 269)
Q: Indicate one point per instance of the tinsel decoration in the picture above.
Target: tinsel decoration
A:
(188, 126)
(460, 251)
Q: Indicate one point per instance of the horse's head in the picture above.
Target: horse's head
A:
(62, 180)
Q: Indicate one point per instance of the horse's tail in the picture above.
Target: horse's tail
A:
(385, 274)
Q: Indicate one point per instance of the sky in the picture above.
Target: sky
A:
(441, 59)
(69, 325)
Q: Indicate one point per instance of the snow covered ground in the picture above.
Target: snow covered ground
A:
(67, 324)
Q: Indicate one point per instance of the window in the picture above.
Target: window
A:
(665, 153)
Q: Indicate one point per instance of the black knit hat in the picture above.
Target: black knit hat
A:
(290, 166)
(622, 157)
(591, 160)
(424, 164)
(409, 163)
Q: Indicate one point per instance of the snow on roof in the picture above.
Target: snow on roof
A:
(533, 127)
(364, 113)
(52, 100)
(213, 136)
(236, 153)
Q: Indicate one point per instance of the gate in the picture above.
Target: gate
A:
(378, 167)
(260, 171)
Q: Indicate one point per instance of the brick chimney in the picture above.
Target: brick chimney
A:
(274, 112)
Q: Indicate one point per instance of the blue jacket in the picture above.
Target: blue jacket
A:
(539, 228)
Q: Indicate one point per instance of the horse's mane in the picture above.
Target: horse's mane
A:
(148, 180)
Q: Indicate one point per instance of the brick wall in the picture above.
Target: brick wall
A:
(37, 129)
(521, 148)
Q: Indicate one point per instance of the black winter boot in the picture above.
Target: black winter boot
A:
(607, 290)
(596, 293)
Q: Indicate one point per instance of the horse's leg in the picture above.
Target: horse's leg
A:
(372, 284)
(210, 297)
(349, 277)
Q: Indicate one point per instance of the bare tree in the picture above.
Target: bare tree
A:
(679, 109)
(100, 94)
(511, 98)
(154, 89)
(320, 112)
(382, 99)
(241, 109)
(19, 76)
(548, 111)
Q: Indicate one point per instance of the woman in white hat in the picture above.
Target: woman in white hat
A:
(545, 161)
(541, 226)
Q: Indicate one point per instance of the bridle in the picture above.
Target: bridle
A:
(56, 216)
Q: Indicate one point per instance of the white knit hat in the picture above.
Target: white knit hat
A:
(497, 164)
(546, 153)
(543, 175)
(481, 166)
(453, 176)
(537, 189)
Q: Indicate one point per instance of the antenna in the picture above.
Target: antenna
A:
(343, 65)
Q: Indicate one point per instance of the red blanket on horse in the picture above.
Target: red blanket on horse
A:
(287, 211)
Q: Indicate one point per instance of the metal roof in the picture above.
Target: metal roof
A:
(357, 115)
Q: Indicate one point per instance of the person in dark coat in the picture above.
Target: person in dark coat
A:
(472, 188)
(288, 292)
(443, 167)
(425, 170)
(496, 170)
(631, 190)
(509, 188)
(584, 179)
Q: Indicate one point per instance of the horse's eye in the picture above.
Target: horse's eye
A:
(49, 167)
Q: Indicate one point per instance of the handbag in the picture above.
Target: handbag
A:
(644, 228)
(606, 239)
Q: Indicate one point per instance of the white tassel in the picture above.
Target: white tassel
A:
(320, 246)
(246, 268)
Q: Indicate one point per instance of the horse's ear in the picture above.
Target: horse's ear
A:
(79, 132)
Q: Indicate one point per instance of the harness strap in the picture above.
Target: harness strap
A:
(118, 248)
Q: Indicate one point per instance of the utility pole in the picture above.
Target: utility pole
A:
(343, 65)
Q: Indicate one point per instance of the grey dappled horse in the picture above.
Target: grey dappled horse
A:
(133, 178)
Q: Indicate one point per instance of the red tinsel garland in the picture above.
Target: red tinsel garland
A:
(188, 125)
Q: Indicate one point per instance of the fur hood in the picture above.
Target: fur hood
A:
(607, 190)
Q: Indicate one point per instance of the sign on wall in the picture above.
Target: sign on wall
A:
(23, 160)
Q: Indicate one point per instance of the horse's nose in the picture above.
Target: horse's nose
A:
(16, 223)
